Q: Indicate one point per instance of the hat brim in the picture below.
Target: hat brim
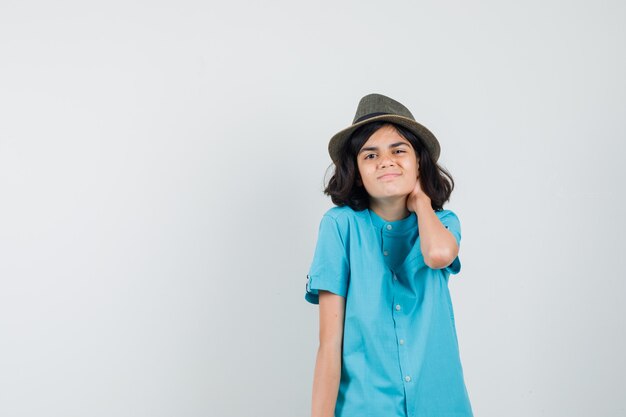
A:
(429, 140)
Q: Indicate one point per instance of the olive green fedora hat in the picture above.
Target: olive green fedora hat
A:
(376, 108)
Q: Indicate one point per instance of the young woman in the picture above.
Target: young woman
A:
(388, 343)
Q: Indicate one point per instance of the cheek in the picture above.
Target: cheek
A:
(363, 170)
(412, 167)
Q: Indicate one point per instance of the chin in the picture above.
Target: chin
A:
(391, 192)
(392, 195)
(399, 192)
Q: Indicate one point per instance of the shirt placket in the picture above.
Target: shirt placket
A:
(400, 326)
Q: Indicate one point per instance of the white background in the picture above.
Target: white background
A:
(161, 176)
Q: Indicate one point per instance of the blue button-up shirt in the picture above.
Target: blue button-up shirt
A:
(400, 352)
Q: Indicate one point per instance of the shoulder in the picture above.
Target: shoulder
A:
(344, 217)
(451, 221)
(343, 213)
(443, 214)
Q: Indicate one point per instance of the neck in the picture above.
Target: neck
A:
(390, 210)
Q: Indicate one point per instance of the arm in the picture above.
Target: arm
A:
(328, 364)
(437, 243)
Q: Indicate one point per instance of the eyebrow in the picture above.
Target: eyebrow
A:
(375, 148)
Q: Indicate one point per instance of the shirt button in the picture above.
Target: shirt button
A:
(389, 227)
(398, 307)
(395, 278)
(401, 341)
(407, 378)
(385, 253)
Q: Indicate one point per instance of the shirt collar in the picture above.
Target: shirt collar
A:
(398, 226)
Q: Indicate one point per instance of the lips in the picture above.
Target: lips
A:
(387, 176)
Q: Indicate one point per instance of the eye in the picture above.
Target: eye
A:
(401, 150)
(368, 156)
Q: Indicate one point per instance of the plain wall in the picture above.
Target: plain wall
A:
(161, 176)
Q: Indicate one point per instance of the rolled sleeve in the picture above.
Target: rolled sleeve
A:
(451, 221)
(330, 267)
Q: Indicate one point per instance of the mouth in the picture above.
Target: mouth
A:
(388, 176)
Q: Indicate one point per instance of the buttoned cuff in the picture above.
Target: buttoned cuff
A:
(314, 283)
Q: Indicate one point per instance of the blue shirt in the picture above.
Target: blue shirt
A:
(400, 352)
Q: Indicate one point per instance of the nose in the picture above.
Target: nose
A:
(386, 160)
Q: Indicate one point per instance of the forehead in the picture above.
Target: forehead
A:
(385, 135)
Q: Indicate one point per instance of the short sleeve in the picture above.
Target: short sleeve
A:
(451, 221)
(330, 268)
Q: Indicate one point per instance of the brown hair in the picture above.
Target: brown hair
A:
(344, 190)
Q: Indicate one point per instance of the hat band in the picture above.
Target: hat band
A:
(368, 116)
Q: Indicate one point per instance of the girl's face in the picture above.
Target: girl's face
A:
(388, 164)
